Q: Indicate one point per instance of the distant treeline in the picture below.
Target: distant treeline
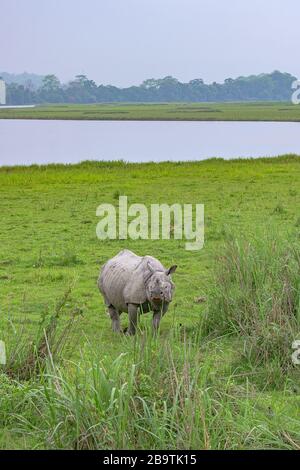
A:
(275, 86)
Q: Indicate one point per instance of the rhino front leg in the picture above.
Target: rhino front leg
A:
(133, 318)
(157, 316)
(115, 319)
(156, 320)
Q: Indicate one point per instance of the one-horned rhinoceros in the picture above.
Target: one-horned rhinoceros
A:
(135, 284)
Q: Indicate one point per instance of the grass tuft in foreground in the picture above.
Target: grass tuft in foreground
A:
(27, 359)
(256, 294)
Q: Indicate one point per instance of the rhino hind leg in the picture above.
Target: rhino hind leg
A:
(115, 319)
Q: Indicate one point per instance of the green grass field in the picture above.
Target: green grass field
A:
(258, 111)
(219, 375)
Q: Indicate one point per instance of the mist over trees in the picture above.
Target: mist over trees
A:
(29, 80)
(275, 86)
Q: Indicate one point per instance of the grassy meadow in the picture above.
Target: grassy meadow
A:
(253, 111)
(219, 375)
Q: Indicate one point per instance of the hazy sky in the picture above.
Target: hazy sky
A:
(123, 42)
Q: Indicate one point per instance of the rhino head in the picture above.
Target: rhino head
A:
(160, 287)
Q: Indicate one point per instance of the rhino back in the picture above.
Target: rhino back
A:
(114, 276)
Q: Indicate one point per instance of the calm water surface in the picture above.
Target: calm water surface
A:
(33, 141)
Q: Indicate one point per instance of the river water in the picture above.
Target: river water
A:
(23, 142)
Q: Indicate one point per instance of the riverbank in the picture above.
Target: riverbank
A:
(258, 111)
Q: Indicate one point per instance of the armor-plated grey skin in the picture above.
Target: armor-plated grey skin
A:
(135, 284)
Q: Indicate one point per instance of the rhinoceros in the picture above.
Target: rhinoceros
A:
(135, 284)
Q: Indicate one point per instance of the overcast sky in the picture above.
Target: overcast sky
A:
(123, 42)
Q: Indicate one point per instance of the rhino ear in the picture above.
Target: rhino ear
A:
(171, 270)
(150, 267)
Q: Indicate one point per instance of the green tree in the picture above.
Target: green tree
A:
(50, 83)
